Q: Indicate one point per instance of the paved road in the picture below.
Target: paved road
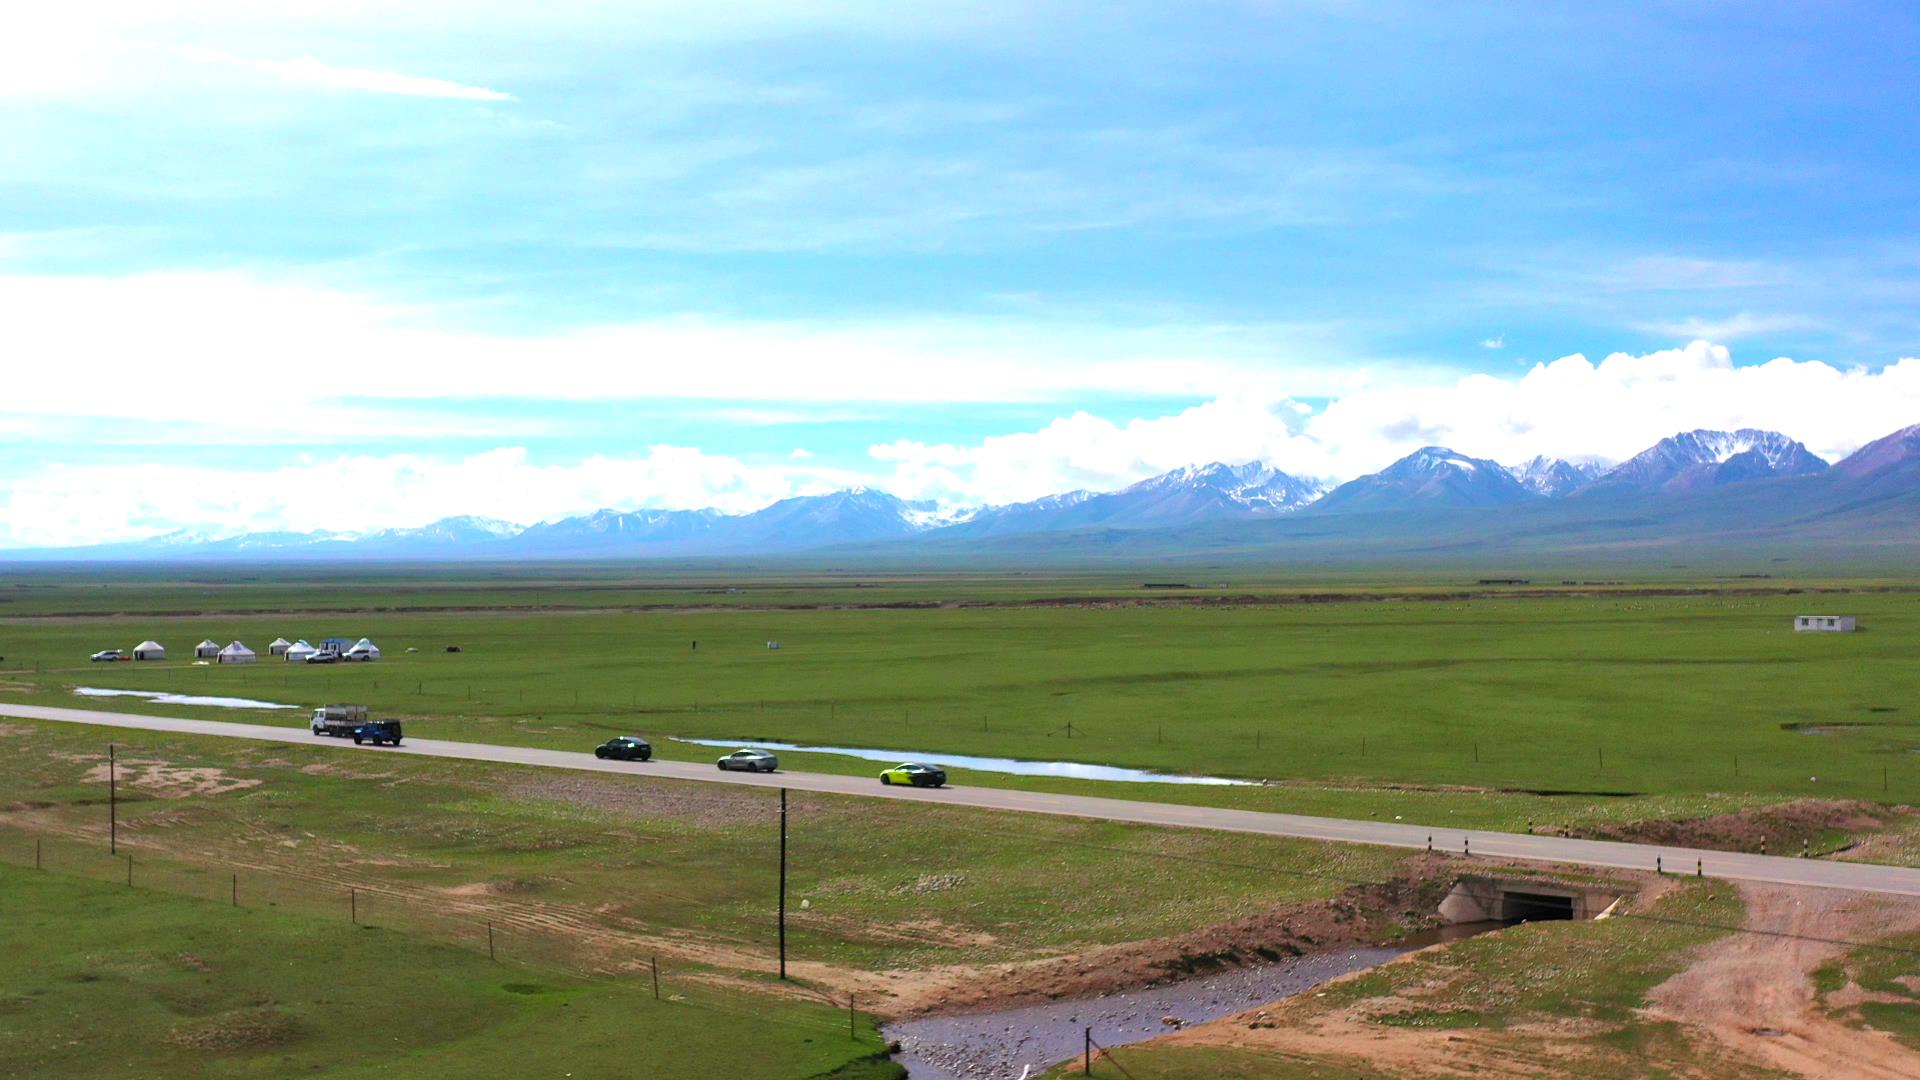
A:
(1859, 877)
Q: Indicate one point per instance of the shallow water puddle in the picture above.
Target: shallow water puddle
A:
(1071, 769)
(161, 697)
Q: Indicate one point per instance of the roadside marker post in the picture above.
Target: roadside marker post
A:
(113, 804)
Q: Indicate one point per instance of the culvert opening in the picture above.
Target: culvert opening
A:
(1505, 901)
(1535, 907)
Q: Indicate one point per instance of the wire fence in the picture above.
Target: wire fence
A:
(543, 936)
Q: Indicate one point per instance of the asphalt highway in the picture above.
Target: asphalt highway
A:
(1775, 869)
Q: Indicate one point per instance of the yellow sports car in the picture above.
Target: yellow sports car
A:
(916, 774)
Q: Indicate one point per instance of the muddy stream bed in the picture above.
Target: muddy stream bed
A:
(1012, 1044)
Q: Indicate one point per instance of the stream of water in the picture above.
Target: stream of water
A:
(1017, 766)
(161, 697)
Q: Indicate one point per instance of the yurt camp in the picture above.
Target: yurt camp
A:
(206, 650)
(149, 650)
(237, 653)
(298, 652)
(362, 650)
(278, 646)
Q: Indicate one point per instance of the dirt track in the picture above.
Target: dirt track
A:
(1753, 992)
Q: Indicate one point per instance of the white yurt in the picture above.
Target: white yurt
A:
(237, 653)
(298, 652)
(149, 650)
(278, 646)
(206, 649)
(364, 650)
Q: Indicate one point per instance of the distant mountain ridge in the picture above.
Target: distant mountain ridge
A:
(1182, 497)
(1736, 480)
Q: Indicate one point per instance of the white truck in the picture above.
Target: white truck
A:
(338, 721)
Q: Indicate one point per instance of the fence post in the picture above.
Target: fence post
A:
(853, 1032)
(36, 853)
(113, 804)
(236, 890)
(353, 906)
(656, 978)
(1086, 1053)
(129, 870)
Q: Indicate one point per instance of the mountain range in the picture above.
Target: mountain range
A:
(1716, 486)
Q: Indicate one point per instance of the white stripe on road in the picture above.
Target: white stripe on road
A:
(1772, 869)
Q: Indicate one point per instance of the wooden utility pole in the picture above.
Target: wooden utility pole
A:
(783, 883)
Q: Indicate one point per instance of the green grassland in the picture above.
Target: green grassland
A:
(1554, 709)
(103, 980)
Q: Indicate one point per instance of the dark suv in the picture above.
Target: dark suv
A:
(624, 748)
(378, 732)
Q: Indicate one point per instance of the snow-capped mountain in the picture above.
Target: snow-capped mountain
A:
(1554, 477)
(605, 530)
(1689, 481)
(1431, 477)
(1185, 496)
(1695, 460)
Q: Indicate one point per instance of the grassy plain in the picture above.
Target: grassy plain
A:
(103, 980)
(1437, 701)
(1607, 703)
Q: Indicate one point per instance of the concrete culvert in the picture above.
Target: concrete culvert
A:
(1513, 900)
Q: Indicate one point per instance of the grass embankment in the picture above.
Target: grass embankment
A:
(1540, 999)
(1556, 710)
(107, 981)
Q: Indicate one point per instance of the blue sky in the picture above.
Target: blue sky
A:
(522, 260)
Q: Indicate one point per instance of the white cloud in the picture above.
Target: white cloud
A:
(1729, 328)
(1086, 451)
(1569, 408)
(244, 355)
(306, 70)
(1498, 342)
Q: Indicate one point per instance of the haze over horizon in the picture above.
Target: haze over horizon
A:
(319, 268)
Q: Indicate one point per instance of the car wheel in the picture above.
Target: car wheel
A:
(723, 766)
(600, 752)
(356, 740)
(887, 780)
(646, 757)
